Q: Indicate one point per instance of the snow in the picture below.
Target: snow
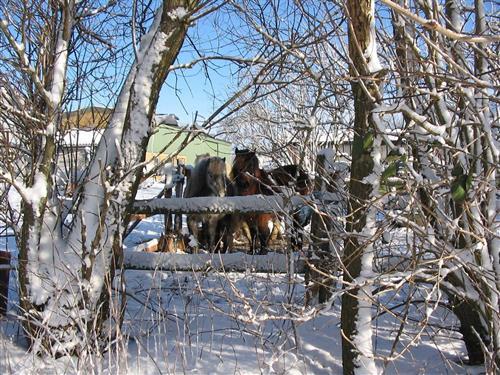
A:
(246, 323)
(185, 323)
(60, 63)
(370, 54)
(81, 137)
(136, 259)
(178, 13)
(151, 51)
(170, 119)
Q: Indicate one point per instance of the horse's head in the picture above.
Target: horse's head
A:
(294, 176)
(245, 172)
(216, 176)
(245, 162)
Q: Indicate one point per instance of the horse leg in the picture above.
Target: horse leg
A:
(246, 227)
(253, 232)
(296, 235)
(212, 222)
(228, 226)
(277, 232)
(300, 219)
(250, 231)
(265, 225)
(192, 223)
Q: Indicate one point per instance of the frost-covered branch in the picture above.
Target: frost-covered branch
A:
(23, 59)
(434, 25)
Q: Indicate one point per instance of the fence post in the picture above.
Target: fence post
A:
(167, 218)
(179, 189)
(4, 281)
(326, 234)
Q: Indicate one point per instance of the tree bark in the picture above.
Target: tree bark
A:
(322, 262)
(356, 259)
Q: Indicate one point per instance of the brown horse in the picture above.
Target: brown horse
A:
(292, 176)
(247, 178)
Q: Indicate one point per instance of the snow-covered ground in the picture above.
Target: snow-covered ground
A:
(241, 323)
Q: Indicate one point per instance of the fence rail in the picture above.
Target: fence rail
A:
(240, 204)
(233, 262)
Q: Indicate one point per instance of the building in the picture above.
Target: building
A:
(87, 118)
(169, 137)
(84, 128)
(78, 139)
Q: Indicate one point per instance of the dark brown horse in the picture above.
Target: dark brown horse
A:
(292, 176)
(296, 178)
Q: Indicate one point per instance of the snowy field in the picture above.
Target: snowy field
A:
(237, 323)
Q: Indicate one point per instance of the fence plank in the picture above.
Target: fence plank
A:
(240, 204)
(233, 262)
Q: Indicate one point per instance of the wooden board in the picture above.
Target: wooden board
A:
(233, 262)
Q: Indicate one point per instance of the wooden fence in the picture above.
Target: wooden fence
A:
(328, 203)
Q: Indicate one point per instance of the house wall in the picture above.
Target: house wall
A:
(202, 145)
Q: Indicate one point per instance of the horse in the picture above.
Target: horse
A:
(295, 177)
(247, 178)
(208, 179)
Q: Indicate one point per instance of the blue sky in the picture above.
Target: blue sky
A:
(188, 91)
(193, 92)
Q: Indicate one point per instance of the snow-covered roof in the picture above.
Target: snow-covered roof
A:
(170, 119)
(82, 137)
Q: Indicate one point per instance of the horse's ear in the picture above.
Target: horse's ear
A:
(236, 151)
(224, 159)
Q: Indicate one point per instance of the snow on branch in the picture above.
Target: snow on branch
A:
(23, 59)
(434, 25)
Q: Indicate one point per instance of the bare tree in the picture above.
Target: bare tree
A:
(357, 351)
(445, 102)
(424, 153)
(66, 274)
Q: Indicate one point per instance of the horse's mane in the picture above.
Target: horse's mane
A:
(198, 181)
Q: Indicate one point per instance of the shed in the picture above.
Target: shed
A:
(164, 142)
(83, 128)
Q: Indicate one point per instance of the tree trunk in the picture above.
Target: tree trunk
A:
(357, 348)
(66, 279)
